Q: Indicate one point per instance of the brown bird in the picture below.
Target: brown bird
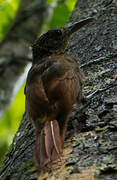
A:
(53, 84)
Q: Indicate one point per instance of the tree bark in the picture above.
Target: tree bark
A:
(90, 150)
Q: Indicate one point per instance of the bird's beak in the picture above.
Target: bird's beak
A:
(76, 26)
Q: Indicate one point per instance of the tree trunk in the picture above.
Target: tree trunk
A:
(90, 150)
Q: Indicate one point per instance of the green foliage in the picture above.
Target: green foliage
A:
(10, 121)
(3, 148)
(61, 13)
(50, 1)
(58, 20)
(8, 10)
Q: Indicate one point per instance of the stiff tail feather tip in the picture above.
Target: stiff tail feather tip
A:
(48, 144)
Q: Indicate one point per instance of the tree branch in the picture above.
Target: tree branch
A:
(14, 49)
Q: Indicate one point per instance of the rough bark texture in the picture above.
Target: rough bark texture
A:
(91, 143)
(15, 53)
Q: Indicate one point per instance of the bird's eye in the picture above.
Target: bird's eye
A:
(59, 32)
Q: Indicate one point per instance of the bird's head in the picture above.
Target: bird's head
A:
(55, 41)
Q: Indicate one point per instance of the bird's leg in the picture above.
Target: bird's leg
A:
(64, 131)
(63, 120)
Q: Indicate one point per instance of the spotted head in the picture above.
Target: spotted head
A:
(55, 40)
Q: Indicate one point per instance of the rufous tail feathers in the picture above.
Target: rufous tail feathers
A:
(48, 144)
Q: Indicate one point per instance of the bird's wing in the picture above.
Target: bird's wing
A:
(60, 80)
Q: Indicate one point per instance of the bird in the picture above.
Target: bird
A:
(53, 85)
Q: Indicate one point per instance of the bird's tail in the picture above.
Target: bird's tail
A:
(48, 144)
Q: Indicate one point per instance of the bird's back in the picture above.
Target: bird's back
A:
(51, 79)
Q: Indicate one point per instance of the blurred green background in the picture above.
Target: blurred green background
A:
(8, 9)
